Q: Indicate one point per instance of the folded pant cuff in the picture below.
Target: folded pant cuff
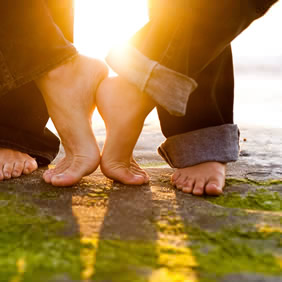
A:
(43, 148)
(218, 143)
(168, 88)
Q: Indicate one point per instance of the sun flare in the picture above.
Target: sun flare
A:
(99, 24)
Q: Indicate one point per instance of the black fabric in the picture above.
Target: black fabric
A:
(193, 37)
(23, 113)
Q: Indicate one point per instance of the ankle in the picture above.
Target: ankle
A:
(59, 73)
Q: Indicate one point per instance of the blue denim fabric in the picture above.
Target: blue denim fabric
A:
(30, 43)
(193, 37)
(202, 145)
(153, 78)
(23, 116)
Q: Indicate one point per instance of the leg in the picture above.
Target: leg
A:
(210, 106)
(166, 39)
(193, 139)
(175, 48)
(203, 135)
(66, 80)
(24, 138)
(124, 111)
(69, 93)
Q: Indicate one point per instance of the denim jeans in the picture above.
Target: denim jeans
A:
(184, 38)
(192, 38)
(31, 43)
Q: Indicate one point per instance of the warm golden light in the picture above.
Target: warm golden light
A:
(100, 24)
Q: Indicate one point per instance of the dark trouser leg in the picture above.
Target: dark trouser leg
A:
(181, 39)
(212, 102)
(193, 38)
(192, 33)
(31, 43)
(206, 132)
(23, 113)
(23, 116)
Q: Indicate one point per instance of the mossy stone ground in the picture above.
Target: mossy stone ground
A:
(104, 231)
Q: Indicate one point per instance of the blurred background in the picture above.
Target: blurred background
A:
(257, 55)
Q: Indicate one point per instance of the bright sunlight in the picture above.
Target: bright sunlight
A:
(100, 24)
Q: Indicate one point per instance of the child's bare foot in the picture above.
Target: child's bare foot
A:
(69, 93)
(206, 178)
(14, 164)
(124, 110)
(61, 166)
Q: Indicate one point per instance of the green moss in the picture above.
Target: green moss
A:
(238, 181)
(234, 251)
(142, 261)
(261, 199)
(228, 251)
(49, 195)
(32, 249)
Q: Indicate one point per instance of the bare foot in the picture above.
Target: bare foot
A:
(69, 93)
(61, 166)
(124, 110)
(206, 178)
(14, 164)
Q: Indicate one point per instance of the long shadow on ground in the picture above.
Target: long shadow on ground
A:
(105, 231)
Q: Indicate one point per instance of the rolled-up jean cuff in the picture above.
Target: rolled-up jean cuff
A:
(168, 88)
(218, 143)
(44, 148)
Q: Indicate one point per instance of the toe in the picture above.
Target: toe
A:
(18, 169)
(127, 177)
(136, 169)
(64, 179)
(188, 186)
(199, 187)
(175, 176)
(47, 175)
(180, 182)
(142, 173)
(1, 172)
(30, 166)
(73, 174)
(7, 170)
(214, 188)
(136, 179)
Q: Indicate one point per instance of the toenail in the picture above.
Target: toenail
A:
(187, 189)
(219, 190)
(7, 175)
(60, 176)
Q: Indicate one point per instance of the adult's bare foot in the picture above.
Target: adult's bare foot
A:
(206, 178)
(14, 164)
(124, 109)
(69, 93)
